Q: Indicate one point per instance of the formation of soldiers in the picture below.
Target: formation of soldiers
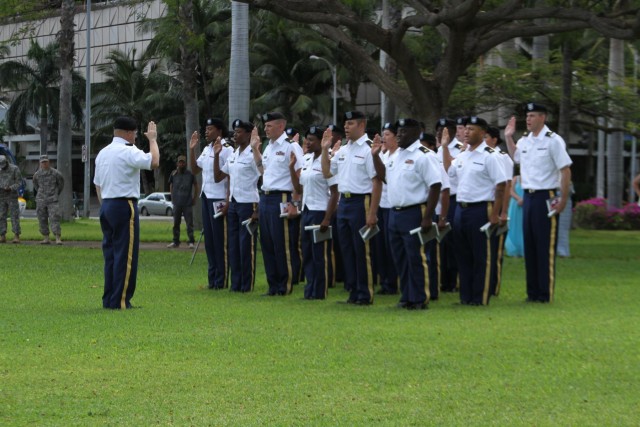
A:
(47, 183)
(410, 212)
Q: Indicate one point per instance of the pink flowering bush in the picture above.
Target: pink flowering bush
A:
(595, 214)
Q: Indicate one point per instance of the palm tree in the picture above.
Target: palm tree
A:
(239, 81)
(36, 82)
(139, 88)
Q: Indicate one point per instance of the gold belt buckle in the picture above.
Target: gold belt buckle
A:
(346, 195)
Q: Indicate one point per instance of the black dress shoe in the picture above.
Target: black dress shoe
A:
(530, 300)
(417, 306)
(268, 294)
(403, 304)
(362, 302)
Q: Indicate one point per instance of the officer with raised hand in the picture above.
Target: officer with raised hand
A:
(414, 179)
(492, 138)
(359, 185)
(243, 173)
(447, 247)
(213, 193)
(319, 201)
(545, 166)
(481, 182)
(279, 236)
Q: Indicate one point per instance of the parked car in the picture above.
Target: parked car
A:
(156, 204)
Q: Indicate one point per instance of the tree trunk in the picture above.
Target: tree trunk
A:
(615, 160)
(66, 52)
(189, 78)
(239, 83)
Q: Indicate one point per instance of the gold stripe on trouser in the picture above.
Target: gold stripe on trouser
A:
(224, 250)
(253, 260)
(132, 220)
(487, 271)
(552, 252)
(326, 267)
(367, 250)
(287, 249)
(423, 256)
(499, 264)
(333, 262)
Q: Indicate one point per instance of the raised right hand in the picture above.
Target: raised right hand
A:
(195, 139)
(510, 129)
(327, 138)
(217, 146)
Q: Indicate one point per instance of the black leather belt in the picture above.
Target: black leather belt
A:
(278, 192)
(470, 204)
(350, 195)
(538, 191)
(404, 208)
(133, 199)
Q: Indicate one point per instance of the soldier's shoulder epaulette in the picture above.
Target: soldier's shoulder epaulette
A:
(424, 149)
(287, 140)
(525, 134)
(502, 152)
(369, 142)
(489, 149)
(129, 145)
(458, 146)
(549, 134)
(226, 144)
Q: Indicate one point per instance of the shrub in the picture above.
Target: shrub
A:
(594, 214)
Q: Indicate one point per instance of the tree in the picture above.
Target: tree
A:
(36, 82)
(239, 82)
(139, 88)
(466, 29)
(66, 55)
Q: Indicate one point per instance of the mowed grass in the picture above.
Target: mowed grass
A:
(192, 356)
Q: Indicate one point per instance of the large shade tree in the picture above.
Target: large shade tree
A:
(466, 30)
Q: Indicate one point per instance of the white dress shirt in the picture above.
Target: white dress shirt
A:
(243, 176)
(315, 187)
(118, 168)
(275, 160)
(478, 172)
(353, 167)
(541, 159)
(411, 174)
(212, 189)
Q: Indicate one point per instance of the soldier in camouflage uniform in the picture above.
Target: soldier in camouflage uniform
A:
(10, 181)
(48, 183)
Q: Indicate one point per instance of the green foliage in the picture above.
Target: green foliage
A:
(191, 356)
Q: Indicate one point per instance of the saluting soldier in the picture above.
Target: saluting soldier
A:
(481, 182)
(414, 180)
(213, 193)
(319, 201)
(48, 184)
(545, 166)
(434, 252)
(359, 185)
(243, 173)
(279, 236)
(492, 138)
(448, 255)
(386, 267)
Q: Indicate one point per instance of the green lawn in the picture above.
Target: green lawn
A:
(192, 356)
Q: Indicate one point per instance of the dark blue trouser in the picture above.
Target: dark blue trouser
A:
(540, 234)
(356, 254)
(316, 258)
(434, 263)
(336, 255)
(384, 260)
(448, 256)
(280, 244)
(121, 238)
(242, 247)
(409, 255)
(474, 254)
(215, 243)
(497, 256)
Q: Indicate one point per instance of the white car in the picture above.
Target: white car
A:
(156, 204)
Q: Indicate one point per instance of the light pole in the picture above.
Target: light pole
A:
(335, 86)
